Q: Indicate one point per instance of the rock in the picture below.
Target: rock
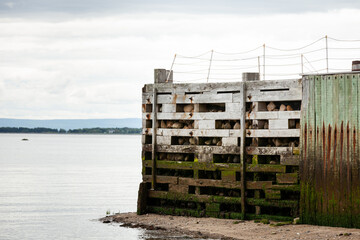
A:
(186, 127)
(289, 108)
(266, 125)
(271, 106)
(215, 141)
(282, 108)
(162, 124)
(277, 142)
(272, 162)
(192, 141)
(181, 141)
(292, 123)
(179, 157)
(177, 125)
(188, 108)
(169, 124)
(226, 126)
(237, 125)
(219, 143)
(187, 158)
(208, 142)
(162, 156)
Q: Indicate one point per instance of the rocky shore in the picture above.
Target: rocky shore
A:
(229, 229)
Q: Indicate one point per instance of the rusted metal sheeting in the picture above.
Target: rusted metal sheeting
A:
(330, 161)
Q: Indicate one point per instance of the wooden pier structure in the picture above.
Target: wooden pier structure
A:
(252, 149)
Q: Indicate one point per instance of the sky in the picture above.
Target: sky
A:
(84, 59)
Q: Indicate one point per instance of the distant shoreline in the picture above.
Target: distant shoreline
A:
(97, 131)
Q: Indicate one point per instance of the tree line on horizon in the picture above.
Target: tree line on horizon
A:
(124, 130)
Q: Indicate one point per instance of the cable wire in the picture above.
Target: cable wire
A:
(295, 49)
(238, 53)
(344, 40)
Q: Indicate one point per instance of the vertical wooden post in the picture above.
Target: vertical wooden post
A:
(242, 148)
(211, 57)
(154, 120)
(264, 62)
(259, 66)
(302, 64)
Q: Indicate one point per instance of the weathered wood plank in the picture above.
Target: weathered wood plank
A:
(278, 124)
(274, 115)
(266, 168)
(242, 149)
(206, 124)
(268, 150)
(272, 133)
(198, 149)
(196, 165)
(153, 150)
(162, 179)
(258, 96)
(195, 98)
(274, 84)
(194, 132)
(290, 160)
(229, 141)
(287, 178)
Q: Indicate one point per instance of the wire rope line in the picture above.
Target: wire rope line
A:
(344, 40)
(239, 53)
(197, 56)
(314, 57)
(309, 64)
(296, 49)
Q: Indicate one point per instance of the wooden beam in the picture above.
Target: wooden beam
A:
(242, 148)
(153, 154)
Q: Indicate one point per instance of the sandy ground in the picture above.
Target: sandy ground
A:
(229, 229)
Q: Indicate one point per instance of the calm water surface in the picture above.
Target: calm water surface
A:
(56, 186)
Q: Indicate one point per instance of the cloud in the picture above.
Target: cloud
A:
(9, 4)
(95, 66)
(42, 8)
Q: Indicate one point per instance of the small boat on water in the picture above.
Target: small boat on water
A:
(24, 139)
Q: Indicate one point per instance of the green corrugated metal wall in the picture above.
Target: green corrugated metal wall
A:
(330, 162)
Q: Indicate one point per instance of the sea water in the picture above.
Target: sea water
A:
(55, 186)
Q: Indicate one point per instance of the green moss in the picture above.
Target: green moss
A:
(265, 221)
(270, 217)
(278, 224)
(272, 203)
(290, 188)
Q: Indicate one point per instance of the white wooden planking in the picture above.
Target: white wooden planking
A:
(272, 133)
(229, 141)
(206, 124)
(163, 140)
(274, 115)
(278, 124)
(232, 107)
(168, 108)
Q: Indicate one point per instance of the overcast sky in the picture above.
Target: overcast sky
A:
(90, 59)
